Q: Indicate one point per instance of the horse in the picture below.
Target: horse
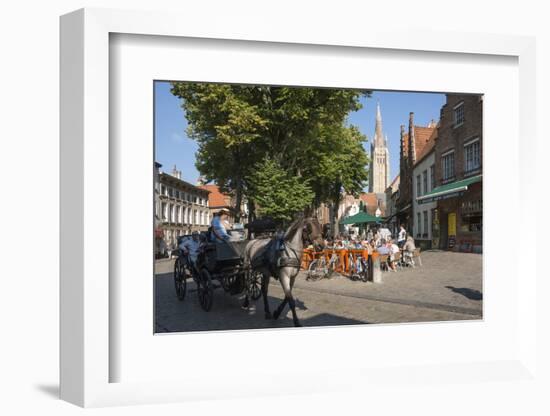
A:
(281, 258)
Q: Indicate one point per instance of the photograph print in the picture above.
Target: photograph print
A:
(284, 206)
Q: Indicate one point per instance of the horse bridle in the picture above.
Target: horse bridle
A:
(295, 262)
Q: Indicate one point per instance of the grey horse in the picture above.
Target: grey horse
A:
(281, 258)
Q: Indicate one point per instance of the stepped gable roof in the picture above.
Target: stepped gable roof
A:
(428, 147)
(422, 135)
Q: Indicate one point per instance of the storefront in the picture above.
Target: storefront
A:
(458, 219)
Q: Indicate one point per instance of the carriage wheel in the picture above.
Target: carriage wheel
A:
(254, 285)
(205, 290)
(180, 279)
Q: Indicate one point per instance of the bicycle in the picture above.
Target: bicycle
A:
(358, 268)
(320, 268)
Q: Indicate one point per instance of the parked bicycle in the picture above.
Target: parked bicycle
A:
(359, 269)
(321, 269)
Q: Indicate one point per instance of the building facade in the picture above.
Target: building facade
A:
(424, 214)
(218, 200)
(350, 205)
(180, 208)
(392, 194)
(379, 169)
(412, 145)
(458, 172)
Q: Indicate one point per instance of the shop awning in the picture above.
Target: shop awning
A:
(361, 218)
(448, 190)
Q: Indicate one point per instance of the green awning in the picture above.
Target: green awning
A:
(448, 190)
(360, 218)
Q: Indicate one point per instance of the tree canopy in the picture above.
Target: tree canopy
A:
(300, 135)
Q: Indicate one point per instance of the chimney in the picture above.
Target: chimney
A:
(402, 147)
(412, 144)
(176, 173)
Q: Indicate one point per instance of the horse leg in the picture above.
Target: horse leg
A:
(280, 308)
(265, 284)
(286, 283)
(246, 302)
(293, 309)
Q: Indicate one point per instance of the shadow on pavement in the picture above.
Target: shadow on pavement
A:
(466, 292)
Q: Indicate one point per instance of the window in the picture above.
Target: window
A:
(163, 190)
(448, 166)
(432, 177)
(418, 189)
(459, 115)
(425, 230)
(164, 211)
(425, 181)
(418, 224)
(472, 156)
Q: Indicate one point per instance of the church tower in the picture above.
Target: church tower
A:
(379, 175)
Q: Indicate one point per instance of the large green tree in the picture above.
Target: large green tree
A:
(278, 194)
(302, 129)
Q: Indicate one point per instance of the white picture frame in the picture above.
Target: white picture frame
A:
(86, 352)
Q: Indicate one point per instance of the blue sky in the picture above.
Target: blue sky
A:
(172, 146)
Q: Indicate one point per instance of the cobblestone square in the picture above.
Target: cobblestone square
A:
(447, 287)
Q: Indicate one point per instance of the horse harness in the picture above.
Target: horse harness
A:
(276, 255)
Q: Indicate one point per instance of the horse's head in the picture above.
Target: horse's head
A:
(312, 233)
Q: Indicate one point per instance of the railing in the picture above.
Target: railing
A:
(343, 255)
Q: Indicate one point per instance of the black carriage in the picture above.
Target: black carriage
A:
(222, 262)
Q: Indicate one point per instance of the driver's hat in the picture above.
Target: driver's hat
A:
(223, 211)
(195, 232)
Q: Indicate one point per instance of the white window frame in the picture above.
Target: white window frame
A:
(466, 146)
(443, 170)
(455, 109)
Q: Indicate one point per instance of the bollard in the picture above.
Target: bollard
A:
(376, 272)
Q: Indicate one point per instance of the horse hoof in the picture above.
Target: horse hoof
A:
(297, 324)
(275, 316)
(268, 315)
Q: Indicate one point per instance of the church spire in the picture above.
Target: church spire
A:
(378, 136)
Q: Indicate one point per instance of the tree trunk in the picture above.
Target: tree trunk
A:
(251, 216)
(238, 203)
(337, 196)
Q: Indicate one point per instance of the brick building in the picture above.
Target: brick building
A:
(458, 174)
(218, 200)
(392, 194)
(412, 145)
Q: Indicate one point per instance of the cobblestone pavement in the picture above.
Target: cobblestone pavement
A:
(447, 287)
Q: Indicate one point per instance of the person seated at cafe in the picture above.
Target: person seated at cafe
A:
(408, 250)
(394, 249)
(383, 249)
